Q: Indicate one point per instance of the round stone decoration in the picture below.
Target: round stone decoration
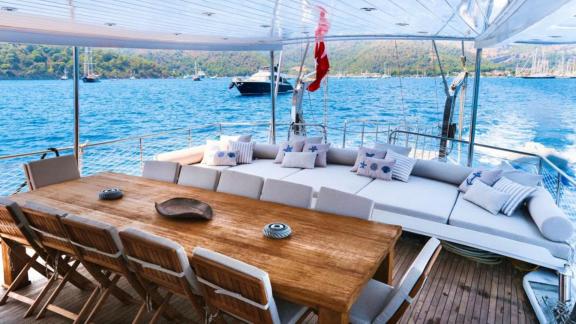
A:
(277, 231)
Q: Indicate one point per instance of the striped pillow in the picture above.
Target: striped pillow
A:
(403, 167)
(518, 193)
(245, 151)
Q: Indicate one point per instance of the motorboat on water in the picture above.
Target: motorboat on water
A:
(427, 204)
(259, 83)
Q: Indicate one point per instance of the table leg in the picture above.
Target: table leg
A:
(327, 316)
(11, 264)
(385, 272)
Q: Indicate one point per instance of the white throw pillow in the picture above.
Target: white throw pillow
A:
(486, 197)
(226, 139)
(221, 158)
(286, 147)
(489, 177)
(365, 152)
(403, 167)
(209, 150)
(320, 150)
(518, 193)
(398, 149)
(303, 160)
(376, 168)
(306, 140)
(245, 151)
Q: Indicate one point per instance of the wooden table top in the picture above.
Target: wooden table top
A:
(324, 264)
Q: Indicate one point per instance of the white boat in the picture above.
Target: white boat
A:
(64, 75)
(259, 83)
(426, 202)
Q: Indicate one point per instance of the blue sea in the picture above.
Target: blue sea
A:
(532, 115)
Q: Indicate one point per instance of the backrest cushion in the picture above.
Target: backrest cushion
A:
(199, 177)
(398, 149)
(550, 219)
(161, 170)
(343, 203)
(408, 281)
(240, 184)
(307, 140)
(441, 171)
(287, 193)
(45, 172)
(302, 160)
(519, 176)
(341, 156)
(265, 151)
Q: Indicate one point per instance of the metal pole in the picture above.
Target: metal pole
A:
(273, 98)
(76, 104)
(474, 106)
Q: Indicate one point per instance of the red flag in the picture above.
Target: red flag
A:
(320, 54)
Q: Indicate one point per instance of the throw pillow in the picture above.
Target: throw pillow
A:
(226, 139)
(222, 158)
(209, 150)
(365, 152)
(376, 168)
(245, 151)
(303, 160)
(518, 193)
(486, 197)
(403, 167)
(320, 150)
(489, 177)
(311, 140)
(398, 149)
(288, 147)
(519, 176)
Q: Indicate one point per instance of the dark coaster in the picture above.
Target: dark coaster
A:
(111, 194)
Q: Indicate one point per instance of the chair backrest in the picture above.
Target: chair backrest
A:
(343, 203)
(411, 283)
(161, 170)
(96, 242)
(159, 261)
(14, 226)
(46, 172)
(235, 287)
(287, 193)
(199, 177)
(46, 224)
(240, 184)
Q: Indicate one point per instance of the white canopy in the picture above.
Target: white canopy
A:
(270, 24)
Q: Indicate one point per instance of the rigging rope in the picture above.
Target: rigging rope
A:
(401, 86)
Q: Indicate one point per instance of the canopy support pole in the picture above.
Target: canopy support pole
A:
(474, 106)
(76, 71)
(273, 99)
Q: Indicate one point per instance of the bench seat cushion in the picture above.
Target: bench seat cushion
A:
(332, 176)
(419, 197)
(518, 227)
(265, 168)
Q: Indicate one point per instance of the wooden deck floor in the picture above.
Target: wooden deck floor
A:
(458, 291)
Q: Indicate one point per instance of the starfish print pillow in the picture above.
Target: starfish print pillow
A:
(286, 147)
(321, 150)
(376, 168)
(364, 153)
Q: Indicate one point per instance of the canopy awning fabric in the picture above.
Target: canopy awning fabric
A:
(271, 24)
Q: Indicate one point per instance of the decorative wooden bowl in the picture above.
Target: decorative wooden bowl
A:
(184, 208)
(277, 231)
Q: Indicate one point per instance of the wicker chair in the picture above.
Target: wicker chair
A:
(241, 290)
(46, 172)
(161, 263)
(97, 245)
(16, 231)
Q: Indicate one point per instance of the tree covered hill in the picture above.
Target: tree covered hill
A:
(407, 58)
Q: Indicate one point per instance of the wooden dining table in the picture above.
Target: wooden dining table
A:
(324, 264)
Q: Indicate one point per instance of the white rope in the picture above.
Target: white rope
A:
(91, 249)
(223, 291)
(157, 267)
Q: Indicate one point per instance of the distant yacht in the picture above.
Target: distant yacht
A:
(259, 83)
(539, 68)
(89, 75)
(65, 75)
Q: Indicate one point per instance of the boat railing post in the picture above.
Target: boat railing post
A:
(344, 130)
(273, 99)
(76, 104)
(474, 107)
(189, 137)
(558, 188)
(362, 133)
(141, 153)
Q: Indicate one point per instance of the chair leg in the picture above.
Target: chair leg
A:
(88, 304)
(21, 276)
(103, 296)
(161, 309)
(40, 296)
(104, 280)
(58, 289)
(140, 313)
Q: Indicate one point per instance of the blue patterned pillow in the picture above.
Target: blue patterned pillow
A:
(376, 168)
(287, 147)
(364, 153)
(221, 158)
(320, 150)
(489, 177)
